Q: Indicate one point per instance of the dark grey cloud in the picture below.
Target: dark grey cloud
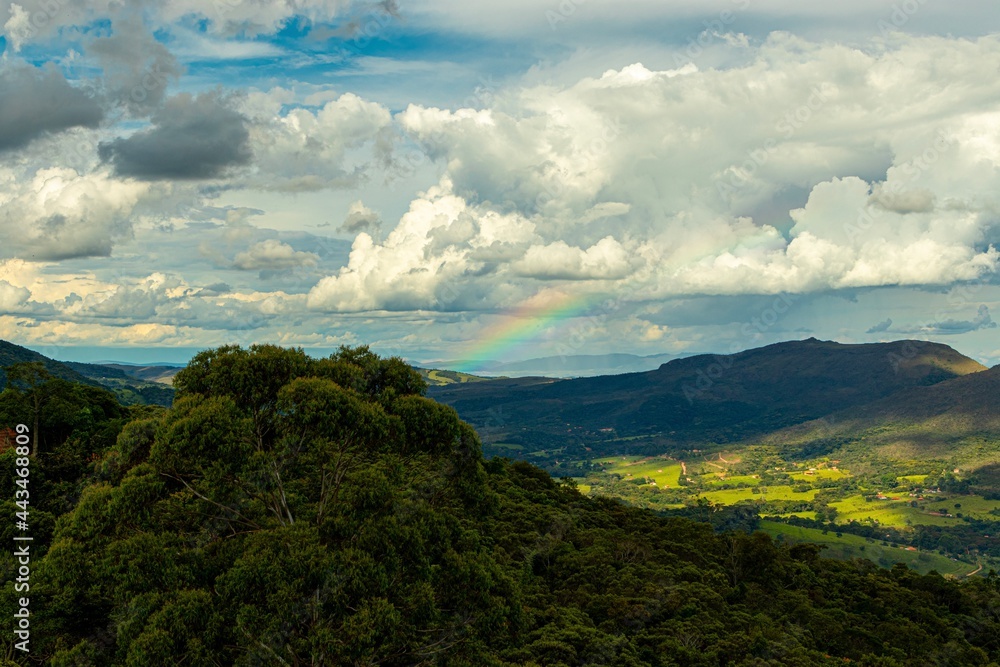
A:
(191, 138)
(215, 289)
(881, 326)
(36, 101)
(982, 320)
(59, 237)
(137, 68)
(360, 218)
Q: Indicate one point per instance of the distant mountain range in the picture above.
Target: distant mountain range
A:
(567, 366)
(732, 398)
(131, 384)
(809, 393)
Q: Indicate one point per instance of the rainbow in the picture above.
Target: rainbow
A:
(519, 327)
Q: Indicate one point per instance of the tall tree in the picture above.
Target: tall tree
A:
(29, 376)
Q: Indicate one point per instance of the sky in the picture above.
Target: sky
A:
(455, 182)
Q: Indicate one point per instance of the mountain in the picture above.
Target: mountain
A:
(438, 378)
(950, 419)
(159, 373)
(572, 365)
(702, 399)
(13, 354)
(129, 388)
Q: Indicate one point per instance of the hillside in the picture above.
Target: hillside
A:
(14, 354)
(951, 419)
(438, 378)
(162, 374)
(702, 399)
(127, 387)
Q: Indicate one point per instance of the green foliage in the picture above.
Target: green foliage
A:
(293, 511)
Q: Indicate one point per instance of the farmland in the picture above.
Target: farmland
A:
(934, 519)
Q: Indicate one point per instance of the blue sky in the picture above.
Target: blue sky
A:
(421, 175)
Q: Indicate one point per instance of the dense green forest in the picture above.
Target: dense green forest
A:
(293, 511)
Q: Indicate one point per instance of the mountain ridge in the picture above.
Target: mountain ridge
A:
(705, 398)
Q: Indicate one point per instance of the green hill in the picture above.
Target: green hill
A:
(920, 421)
(703, 399)
(439, 378)
(14, 354)
(128, 388)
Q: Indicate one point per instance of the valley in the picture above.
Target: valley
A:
(889, 452)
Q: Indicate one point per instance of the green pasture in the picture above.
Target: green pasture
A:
(895, 513)
(907, 480)
(712, 479)
(821, 473)
(976, 507)
(733, 496)
(665, 472)
(854, 546)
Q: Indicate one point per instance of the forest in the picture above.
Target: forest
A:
(287, 510)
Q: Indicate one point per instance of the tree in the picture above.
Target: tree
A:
(29, 376)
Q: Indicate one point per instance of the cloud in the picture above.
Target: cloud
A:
(273, 255)
(300, 150)
(37, 20)
(137, 68)
(545, 185)
(606, 259)
(215, 289)
(192, 138)
(982, 320)
(360, 218)
(59, 213)
(35, 102)
(913, 201)
(12, 298)
(881, 327)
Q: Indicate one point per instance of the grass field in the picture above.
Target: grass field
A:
(906, 480)
(976, 507)
(733, 496)
(801, 515)
(821, 473)
(713, 479)
(665, 472)
(896, 513)
(854, 546)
